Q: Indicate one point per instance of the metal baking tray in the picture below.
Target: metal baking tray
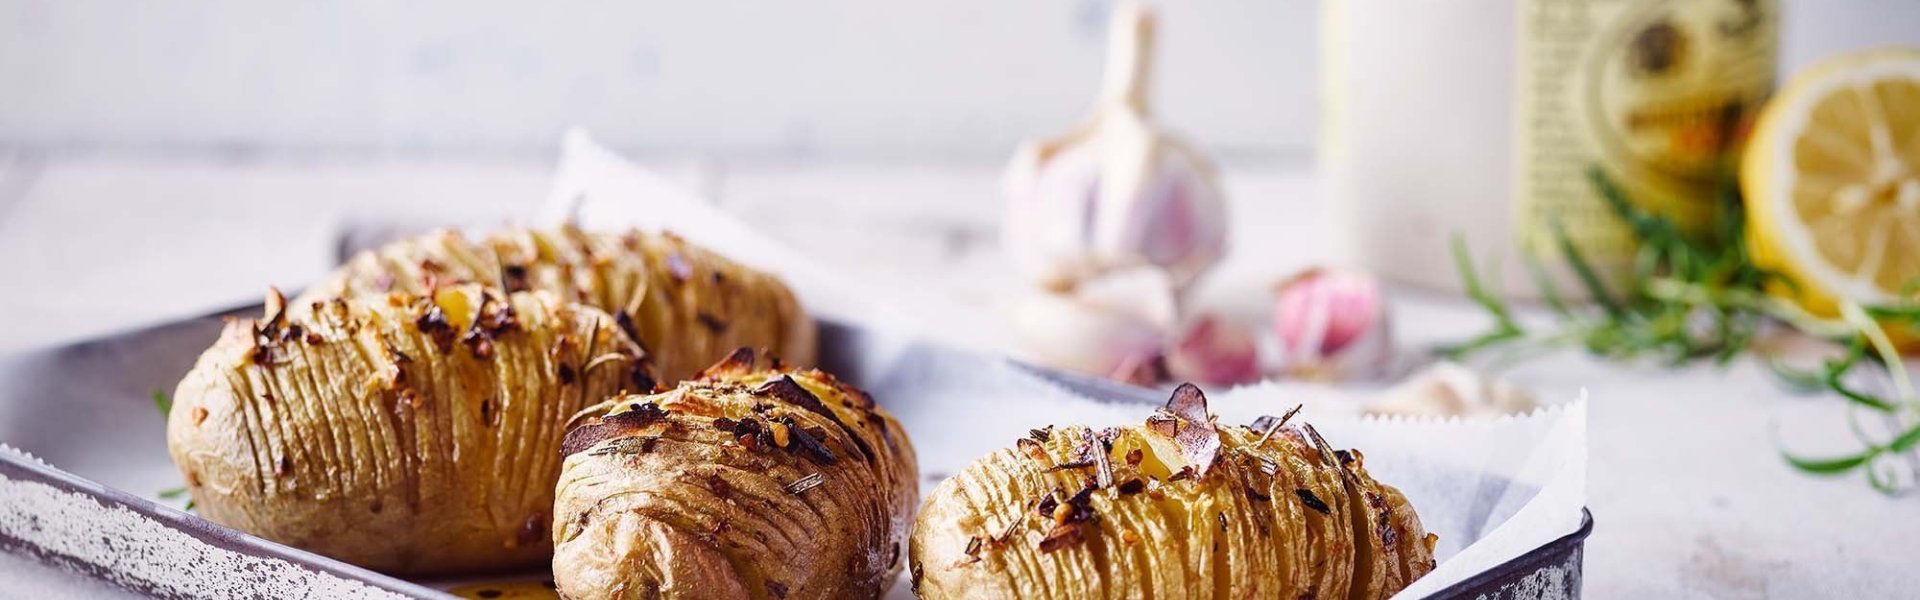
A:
(86, 410)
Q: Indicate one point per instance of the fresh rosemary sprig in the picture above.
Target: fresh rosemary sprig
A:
(1693, 297)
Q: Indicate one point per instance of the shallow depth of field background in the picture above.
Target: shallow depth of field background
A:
(860, 80)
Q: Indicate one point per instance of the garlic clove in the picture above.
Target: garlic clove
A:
(1117, 191)
(1114, 326)
(1332, 325)
(1214, 352)
(1448, 390)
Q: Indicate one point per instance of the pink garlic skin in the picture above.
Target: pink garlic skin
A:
(1214, 352)
(1331, 325)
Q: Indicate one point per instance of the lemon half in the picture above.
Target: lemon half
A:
(1832, 181)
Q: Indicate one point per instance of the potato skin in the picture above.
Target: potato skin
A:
(1287, 518)
(686, 306)
(692, 493)
(408, 435)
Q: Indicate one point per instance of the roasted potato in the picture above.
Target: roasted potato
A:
(1177, 508)
(402, 433)
(687, 306)
(752, 480)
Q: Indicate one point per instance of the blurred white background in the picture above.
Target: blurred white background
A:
(863, 80)
(163, 159)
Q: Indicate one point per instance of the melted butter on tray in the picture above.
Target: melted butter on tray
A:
(504, 590)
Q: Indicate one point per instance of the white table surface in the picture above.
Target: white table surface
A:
(1688, 492)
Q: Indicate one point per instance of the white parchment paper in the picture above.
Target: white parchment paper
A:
(1493, 489)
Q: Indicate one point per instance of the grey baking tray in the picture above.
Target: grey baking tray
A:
(87, 522)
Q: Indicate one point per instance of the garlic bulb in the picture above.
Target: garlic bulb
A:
(1215, 353)
(1117, 191)
(1114, 326)
(1331, 325)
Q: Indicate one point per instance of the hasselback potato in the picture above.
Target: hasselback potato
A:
(403, 433)
(752, 480)
(1176, 508)
(685, 305)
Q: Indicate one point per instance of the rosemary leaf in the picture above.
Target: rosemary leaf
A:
(1795, 379)
(162, 401)
(1584, 270)
(1829, 466)
(1906, 441)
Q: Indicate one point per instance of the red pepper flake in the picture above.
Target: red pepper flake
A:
(199, 414)
(1134, 457)
(1061, 536)
(433, 323)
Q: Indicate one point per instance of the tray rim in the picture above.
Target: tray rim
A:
(19, 466)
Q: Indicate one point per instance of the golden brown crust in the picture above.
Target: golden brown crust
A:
(752, 480)
(1176, 508)
(409, 435)
(687, 306)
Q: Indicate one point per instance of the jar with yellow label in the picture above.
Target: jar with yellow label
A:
(1482, 119)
